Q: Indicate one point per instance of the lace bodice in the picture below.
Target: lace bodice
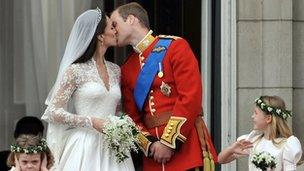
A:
(82, 86)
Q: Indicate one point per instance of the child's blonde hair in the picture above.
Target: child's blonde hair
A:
(279, 127)
(25, 141)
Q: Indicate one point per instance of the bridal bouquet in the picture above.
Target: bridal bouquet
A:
(264, 160)
(121, 136)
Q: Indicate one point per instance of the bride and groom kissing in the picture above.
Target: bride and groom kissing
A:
(159, 84)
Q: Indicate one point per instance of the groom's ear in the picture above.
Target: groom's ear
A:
(131, 19)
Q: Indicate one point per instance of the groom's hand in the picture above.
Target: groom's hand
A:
(160, 152)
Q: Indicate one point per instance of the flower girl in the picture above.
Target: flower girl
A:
(30, 152)
(271, 144)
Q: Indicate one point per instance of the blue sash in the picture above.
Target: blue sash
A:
(148, 72)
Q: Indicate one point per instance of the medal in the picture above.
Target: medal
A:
(160, 74)
(165, 89)
(160, 70)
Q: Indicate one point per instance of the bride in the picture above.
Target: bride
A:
(86, 91)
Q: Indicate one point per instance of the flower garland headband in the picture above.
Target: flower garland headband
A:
(41, 147)
(284, 114)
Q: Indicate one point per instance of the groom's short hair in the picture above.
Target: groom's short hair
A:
(135, 9)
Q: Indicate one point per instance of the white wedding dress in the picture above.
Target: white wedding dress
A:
(77, 146)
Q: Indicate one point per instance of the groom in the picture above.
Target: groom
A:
(162, 92)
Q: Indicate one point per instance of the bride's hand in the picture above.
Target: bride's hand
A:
(98, 124)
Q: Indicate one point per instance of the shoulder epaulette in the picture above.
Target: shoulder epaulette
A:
(169, 37)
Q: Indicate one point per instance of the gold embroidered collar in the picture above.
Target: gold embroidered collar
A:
(144, 43)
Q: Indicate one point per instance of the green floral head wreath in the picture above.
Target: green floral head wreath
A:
(282, 113)
(41, 147)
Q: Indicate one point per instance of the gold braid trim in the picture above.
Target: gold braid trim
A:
(172, 132)
(169, 37)
(143, 143)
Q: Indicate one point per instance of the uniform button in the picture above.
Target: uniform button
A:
(169, 131)
(167, 135)
(152, 103)
(142, 58)
(171, 124)
(153, 110)
(151, 97)
(170, 128)
(151, 91)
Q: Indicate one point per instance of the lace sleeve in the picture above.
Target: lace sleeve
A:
(56, 112)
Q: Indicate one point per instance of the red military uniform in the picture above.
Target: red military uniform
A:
(178, 92)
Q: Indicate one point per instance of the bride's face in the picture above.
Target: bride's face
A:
(109, 36)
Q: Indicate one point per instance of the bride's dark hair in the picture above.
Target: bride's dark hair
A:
(88, 54)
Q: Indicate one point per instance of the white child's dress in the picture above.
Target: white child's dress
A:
(287, 153)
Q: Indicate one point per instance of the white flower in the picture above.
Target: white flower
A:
(269, 109)
(121, 136)
(259, 101)
(278, 111)
(264, 160)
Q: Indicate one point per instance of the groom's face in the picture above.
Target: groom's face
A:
(122, 29)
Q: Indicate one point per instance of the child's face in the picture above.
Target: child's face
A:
(260, 120)
(30, 162)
